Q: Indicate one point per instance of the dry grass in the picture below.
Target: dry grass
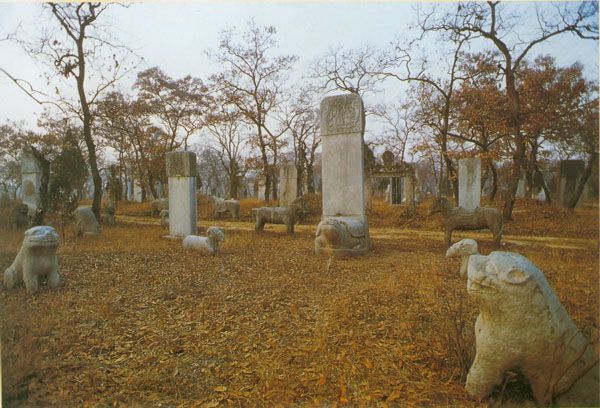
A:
(139, 321)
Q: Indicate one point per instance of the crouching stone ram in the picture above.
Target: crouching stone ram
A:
(36, 260)
(221, 206)
(522, 325)
(457, 218)
(208, 244)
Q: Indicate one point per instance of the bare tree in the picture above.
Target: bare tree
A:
(252, 80)
(77, 49)
(399, 122)
(485, 20)
(231, 135)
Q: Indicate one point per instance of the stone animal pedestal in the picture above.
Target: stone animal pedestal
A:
(523, 325)
(36, 260)
(469, 183)
(85, 222)
(343, 230)
(181, 171)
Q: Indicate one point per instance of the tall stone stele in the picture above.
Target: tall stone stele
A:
(469, 183)
(343, 230)
(288, 184)
(182, 172)
(31, 176)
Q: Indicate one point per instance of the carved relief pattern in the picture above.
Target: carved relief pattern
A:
(342, 114)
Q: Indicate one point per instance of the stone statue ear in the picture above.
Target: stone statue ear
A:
(516, 276)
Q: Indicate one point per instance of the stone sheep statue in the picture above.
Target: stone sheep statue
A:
(208, 244)
(463, 249)
(523, 325)
(85, 222)
(280, 215)
(36, 260)
(19, 216)
(457, 218)
(158, 206)
(221, 206)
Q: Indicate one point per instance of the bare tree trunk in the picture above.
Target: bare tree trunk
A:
(494, 181)
(582, 181)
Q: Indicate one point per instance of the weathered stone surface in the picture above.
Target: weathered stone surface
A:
(31, 181)
(408, 190)
(159, 205)
(35, 260)
(85, 222)
(523, 325)
(137, 191)
(469, 183)
(342, 236)
(457, 218)
(221, 206)
(288, 184)
(463, 249)
(182, 207)
(181, 164)
(289, 215)
(208, 244)
(260, 187)
(343, 178)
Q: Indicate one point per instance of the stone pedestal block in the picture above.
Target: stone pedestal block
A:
(181, 170)
(469, 183)
(288, 184)
(344, 227)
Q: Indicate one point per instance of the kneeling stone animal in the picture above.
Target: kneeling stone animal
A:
(523, 325)
(457, 218)
(85, 222)
(36, 259)
(208, 244)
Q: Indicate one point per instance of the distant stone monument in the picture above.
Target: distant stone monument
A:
(288, 184)
(343, 230)
(408, 188)
(569, 173)
(469, 183)
(521, 188)
(137, 191)
(181, 171)
(260, 187)
(31, 176)
(86, 222)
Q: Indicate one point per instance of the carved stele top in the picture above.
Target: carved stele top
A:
(181, 164)
(29, 164)
(342, 114)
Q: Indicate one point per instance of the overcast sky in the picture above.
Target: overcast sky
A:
(175, 36)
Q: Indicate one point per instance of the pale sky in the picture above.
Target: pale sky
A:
(176, 36)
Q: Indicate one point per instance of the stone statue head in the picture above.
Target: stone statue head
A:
(215, 232)
(41, 237)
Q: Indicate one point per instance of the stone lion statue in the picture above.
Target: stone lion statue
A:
(523, 325)
(280, 215)
(36, 260)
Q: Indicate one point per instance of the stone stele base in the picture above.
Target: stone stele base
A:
(342, 237)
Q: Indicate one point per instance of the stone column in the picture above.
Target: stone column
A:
(137, 191)
(288, 184)
(343, 230)
(569, 173)
(408, 190)
(521, 188)
(469, 183)
(368, 191)
(181, 171)
(31, 181)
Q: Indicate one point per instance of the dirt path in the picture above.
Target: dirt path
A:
(405, 233)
